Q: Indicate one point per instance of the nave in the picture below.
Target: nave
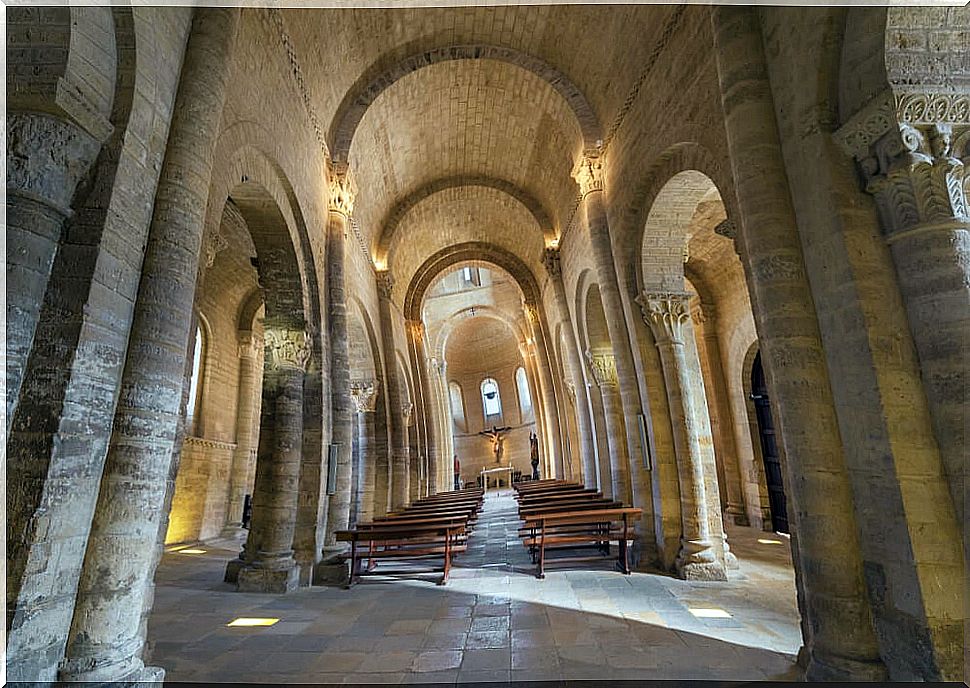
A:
(493, 621)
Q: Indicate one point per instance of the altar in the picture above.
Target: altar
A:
(497, 469)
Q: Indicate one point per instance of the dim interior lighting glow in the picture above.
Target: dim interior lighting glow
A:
(763, 541)
(248, 621)
(192, 551)
(709, 613)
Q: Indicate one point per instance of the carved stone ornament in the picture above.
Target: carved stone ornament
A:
(531, 313)
(364, 395)
(385, 283)
(249, 344)
(602, 366)
(665, 313)
(287, 348)
(570, 391)
(916, 179)
(343, 189)
(214, 243)
(550, 261)
(407, 411)
(415, 328)
(588, 172)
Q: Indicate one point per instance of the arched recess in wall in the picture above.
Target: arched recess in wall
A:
(526, 410)
(457, 400)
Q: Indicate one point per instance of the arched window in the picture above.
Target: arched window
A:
(457, 406)
(195, 385)
(525, 399)
(491, 401)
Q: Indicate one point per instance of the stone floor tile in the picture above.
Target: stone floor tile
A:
(481, 660)
(437, 660)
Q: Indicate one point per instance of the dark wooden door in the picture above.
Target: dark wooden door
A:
(769, 448)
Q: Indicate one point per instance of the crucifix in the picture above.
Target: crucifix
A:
(497, 436)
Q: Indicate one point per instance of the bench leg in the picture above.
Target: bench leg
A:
(353, 564)
(447, 566)
(624, 549)
(541, 572)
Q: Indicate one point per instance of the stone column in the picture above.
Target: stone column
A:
(400, 451)
(553, 436)
(602, 369)
(837, 621)
(47, 157)
(429, 416)
(667, 315)
(105, 642)
(724, 431)
(342, 193)
(268, 563)
(402, 478)
(245, 425)
(550, 261)
(590, 175)
(439, 377)
(364, 394)
(914, 171)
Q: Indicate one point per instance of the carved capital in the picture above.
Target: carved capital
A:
(343, 189)
(385, 283)
(665, 313)
(589, 173)
(570, 391)
(287, 348)
(249, 344)
(531, 313)
(602, 367)
(407, 412)
(916, 179)
(550, 261)
(363, 393)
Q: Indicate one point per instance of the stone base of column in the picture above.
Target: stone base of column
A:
(233, 531)
(735, 514)
(279, 580)
(832, 668)
(332, 569)
(232, 570)
(697, 561)
(141, 676)
(730, 561)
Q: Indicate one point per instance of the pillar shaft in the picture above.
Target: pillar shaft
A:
(603, 370)
(400, 451)
(105, 641)
(590, 177)
(668, 316)
(245, 425)
(365, 466)
(338, 512)
(837, 621)
(551, 412)
(724, 432)
(587, 457)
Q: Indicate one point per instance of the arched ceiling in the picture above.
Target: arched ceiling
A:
(474, 336)
(465, 117)
(412, 96)
(459, 215)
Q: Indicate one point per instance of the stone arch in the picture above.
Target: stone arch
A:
(378, 78)
(249, 309)
(763, 515)
(440, 344)
(663, 245)
(394, 217)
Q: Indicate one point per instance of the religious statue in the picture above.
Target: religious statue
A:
(498, 440)
(534, 454)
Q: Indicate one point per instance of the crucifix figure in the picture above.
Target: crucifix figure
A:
(497, 436)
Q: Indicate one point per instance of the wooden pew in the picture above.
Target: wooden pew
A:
(439, 538)
(582, 528)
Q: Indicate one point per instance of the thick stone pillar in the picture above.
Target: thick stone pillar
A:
(400, 451)
(105, 643)
(667, 315)
(246, 423)
(439, 378)
(364, 395)
(268, 562)
(837, 621)
(342, 192)
(425, 422)
(546, 389)
(602, 368)
(587, 459)
(47, 157)
(918, 181)
(431, 418)
(589, 174)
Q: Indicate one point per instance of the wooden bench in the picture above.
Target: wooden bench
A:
(437, 538)
(561, 530)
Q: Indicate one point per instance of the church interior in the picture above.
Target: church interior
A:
(442, 344)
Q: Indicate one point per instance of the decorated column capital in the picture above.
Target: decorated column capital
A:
(249, 344)
(602, 367)
(551, 262)
(287, 348)
(909, 147)
(588, 172)
(343, 189)
(415, 328)
(364, 395)
(665, 313)
(385, 283)
(531, 313)
(407, 412)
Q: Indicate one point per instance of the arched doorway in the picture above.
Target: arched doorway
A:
(769, 447)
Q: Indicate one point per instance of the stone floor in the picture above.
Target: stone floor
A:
(493, 621)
